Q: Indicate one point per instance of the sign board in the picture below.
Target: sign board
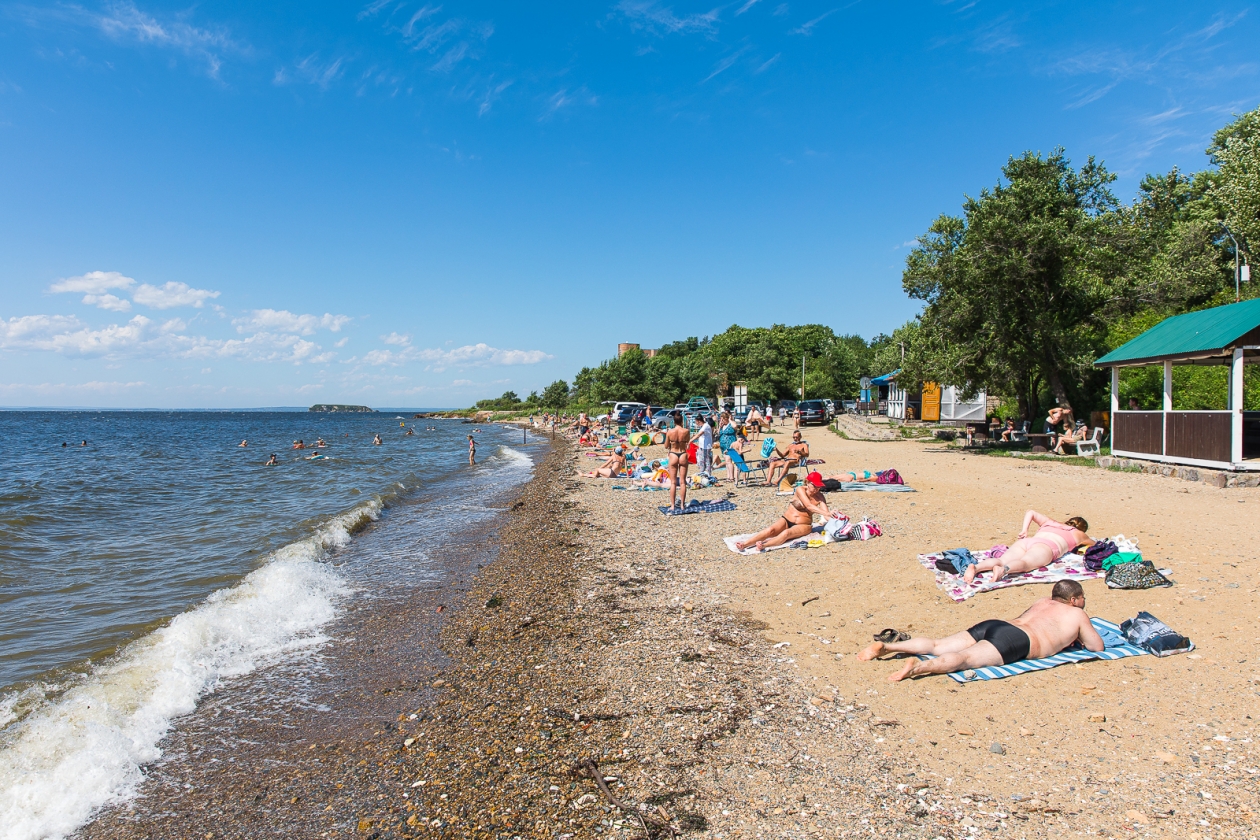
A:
(741, 397)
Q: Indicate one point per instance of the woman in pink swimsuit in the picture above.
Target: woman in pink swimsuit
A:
(1052, 541)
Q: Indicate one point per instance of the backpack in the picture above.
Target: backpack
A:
(1095, 554)
(889, 476)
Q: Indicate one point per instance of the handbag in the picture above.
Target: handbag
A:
(1142, 575)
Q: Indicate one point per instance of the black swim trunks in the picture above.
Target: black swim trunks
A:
(1011, 642)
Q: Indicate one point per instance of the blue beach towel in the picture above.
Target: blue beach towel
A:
(696, 506)
(1115, 648)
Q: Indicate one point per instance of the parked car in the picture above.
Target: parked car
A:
(813, 411)
(831, 409)
(663, 419)
(788, 405)
(624, 411)
(848, 406)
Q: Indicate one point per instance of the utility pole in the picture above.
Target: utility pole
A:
(1239, 271)
(802, 377)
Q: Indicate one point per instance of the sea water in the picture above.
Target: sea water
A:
(162, 559)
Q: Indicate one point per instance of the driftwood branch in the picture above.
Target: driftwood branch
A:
(592, 770)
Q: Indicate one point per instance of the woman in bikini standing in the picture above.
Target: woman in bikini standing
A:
(797, 521)
(677, 440)
(1052, 541)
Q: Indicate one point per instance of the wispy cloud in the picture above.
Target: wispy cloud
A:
(126, 23)
(97, 284)
(766, 65)
(725, 64)
(563, 98)
(651, 16)
(492, 95)
(748, 5)
(282, 320)
(171, 295)
(807, 28)
(468, 356)
(312, 70)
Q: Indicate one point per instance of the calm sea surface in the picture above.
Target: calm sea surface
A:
(139, 571)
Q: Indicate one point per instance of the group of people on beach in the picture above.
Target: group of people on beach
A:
(1047, 627)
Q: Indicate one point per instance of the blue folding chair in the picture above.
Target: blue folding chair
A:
(758, 468)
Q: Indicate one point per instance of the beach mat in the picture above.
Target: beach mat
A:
(846, 486)
(1115, 648)
(800, 542)
(1068, 567)
(695, 506)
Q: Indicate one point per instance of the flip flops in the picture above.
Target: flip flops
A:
(888, 634)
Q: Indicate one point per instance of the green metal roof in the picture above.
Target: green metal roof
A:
(1194, 334)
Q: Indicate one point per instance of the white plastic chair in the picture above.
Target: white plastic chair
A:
(1090, 445)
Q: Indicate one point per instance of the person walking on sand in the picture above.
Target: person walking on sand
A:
(677, 440)
(704, 446)
(472, 450)
(797, 521)
(1044, 629)
(1052, 541)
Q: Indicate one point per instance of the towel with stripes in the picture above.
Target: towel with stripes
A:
(846, 486)
(695, 506)
(1116, 648)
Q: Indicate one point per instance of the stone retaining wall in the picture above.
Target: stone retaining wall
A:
(1215, 478)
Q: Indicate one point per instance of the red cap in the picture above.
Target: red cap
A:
(815, 479)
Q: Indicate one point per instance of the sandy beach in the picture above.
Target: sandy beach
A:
(1160, 747)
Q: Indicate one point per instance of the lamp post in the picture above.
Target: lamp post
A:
(1241, 272)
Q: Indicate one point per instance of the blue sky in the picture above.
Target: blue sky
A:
(424, 203)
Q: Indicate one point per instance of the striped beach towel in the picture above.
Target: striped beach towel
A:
(1116, 648)
(695, 506)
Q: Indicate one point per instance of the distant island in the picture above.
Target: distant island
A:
(359, 409)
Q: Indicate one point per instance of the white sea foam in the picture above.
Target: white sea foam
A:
(86, 748)
(515, 457)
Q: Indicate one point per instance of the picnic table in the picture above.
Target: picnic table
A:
(1043, 440)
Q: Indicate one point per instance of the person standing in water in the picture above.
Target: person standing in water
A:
(272, 462)
(376, 440)
(472, 450)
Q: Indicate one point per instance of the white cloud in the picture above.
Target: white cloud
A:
(282, 320)
(461, 382)
(808, 27)
(397, 339)
(650, 15)
(124, 21)
(92, 283)
(477, 355)
(111, 302)
(171, 295)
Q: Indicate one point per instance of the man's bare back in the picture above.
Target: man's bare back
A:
(1053, 625)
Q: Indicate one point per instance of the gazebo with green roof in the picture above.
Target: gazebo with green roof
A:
(1230, 439)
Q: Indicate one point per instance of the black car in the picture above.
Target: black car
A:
(812, 411)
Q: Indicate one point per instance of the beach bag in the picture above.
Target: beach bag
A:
(888, 477)
(1095, 553)
(1141, 575)
(865, 530)
(1154, 636)
(837, 528)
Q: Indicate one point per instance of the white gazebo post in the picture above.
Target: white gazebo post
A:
(1167, 404)
(1115, 395)
(1236, 406)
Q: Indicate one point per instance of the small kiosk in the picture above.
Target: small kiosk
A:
(1226, 440)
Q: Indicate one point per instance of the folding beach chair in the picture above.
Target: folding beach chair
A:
(742, 468)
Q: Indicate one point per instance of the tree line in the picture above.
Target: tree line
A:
(1039, 275)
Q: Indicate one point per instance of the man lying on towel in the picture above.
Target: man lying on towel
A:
(1045, 628)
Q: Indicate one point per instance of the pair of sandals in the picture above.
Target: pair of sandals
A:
(888, 634)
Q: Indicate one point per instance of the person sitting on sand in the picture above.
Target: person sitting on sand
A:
(272, 462)
(611, 468)
(1052, 541)
(797, 521)
(1047, 627)
(795, 456)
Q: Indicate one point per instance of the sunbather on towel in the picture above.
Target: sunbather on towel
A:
(855, 476)
(1045, 628)
(611, 467)
(796, 455)
(797, 521)
(1052, 541)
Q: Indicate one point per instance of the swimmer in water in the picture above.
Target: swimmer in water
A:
(320, 443)
(315, 457)
(64, 444)
(410, 432)
(472, 450)
(272, 462)
(83, 443)
(297, 444)
(243, 443)
(376, 440)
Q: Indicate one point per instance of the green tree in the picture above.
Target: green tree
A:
(1013, 288)
(556, 395)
